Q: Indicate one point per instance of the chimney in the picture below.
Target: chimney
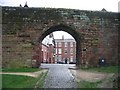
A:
(62, 37)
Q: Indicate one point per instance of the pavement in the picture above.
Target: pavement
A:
(31, 74)
(59, 76)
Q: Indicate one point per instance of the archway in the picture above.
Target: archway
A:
(69, 30)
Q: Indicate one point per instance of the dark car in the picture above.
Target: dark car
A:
(72, 62)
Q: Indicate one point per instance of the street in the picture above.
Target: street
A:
(59, 76)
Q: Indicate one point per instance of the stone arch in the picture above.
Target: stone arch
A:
(69, 30)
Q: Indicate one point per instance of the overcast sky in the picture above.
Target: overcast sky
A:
(109, 5)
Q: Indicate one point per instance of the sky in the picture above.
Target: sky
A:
(59, 34)
(95, 5)
(109, 5)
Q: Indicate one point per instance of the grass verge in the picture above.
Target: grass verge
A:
(107, 69)
(20, 69)
(86, 84)
(17, 81)
(40, 82)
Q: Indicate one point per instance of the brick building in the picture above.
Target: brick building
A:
(45, 53)
(65, 49)
(48, 49)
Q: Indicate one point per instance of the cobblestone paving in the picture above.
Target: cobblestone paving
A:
(59, 76)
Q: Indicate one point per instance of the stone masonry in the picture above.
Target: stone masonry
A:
(23, 29)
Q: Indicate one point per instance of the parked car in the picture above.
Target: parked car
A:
(72, 62)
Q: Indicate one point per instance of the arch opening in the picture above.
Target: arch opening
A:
(70, 31)
(64, 28)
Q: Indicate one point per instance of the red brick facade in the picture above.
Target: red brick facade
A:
(48, 50)
(65, 49)
(45, 52)
(51, 54)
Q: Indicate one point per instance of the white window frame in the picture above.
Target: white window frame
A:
(71, 58)
(71, 44)
(59, 44)
(66, 50)
(66, 44)
(59, 51)
(59, 57)
(71, 50)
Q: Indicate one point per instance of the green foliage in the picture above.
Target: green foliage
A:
(107, 69)
(20, 69)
